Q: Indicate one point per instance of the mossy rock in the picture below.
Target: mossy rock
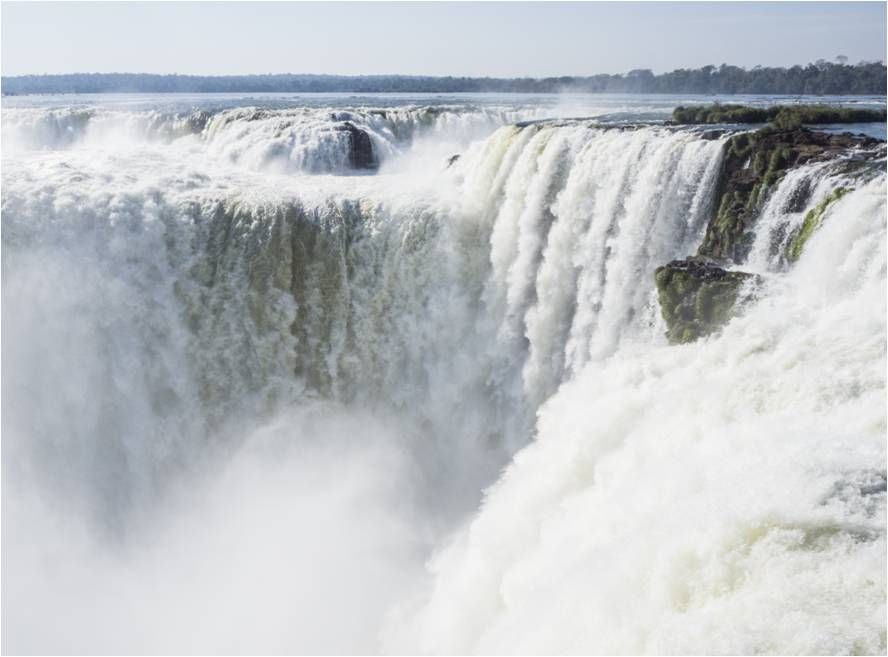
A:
(810, 224)
(697, 297)
(753, 164)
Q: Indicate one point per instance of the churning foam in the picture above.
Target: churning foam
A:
(244, 404)
(725, 497)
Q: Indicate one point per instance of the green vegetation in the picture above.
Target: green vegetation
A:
(718, 113)
(753, 163)
(781, 116)
(820, 77)
(696, 297)
(810, 224)
(728, 234)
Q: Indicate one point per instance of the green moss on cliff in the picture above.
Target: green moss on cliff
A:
(812, 221)
(754, 163)
(696, 297)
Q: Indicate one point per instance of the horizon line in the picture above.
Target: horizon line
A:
(443, 77)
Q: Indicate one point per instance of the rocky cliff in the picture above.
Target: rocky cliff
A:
(699, 294)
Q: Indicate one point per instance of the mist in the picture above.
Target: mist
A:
(285, 376)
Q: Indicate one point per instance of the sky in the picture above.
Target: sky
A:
(498, 39)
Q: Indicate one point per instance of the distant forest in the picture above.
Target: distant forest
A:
(821, 77)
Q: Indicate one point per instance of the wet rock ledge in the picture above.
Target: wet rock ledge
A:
(361, 154)
(754, 163)
(701, 293)
(697, 296)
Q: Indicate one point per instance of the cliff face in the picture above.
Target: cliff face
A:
(699, 294)
(754, 162)
(361, 154)
(697, 297)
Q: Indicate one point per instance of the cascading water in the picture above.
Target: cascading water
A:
(679, 499)
(309, 139)
(794, 198)
(244, 404)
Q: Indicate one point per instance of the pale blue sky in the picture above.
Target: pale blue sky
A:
(468, 38)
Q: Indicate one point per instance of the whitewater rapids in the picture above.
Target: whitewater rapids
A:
(255, 401)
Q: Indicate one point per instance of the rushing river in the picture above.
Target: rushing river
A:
(282, 374)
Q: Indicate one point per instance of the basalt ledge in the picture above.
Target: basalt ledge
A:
(701, 293)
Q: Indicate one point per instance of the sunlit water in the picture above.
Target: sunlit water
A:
(256, 401)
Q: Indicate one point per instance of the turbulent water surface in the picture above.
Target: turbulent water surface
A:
(281, 374)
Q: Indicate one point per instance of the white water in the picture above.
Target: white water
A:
(262, 139)
(698, 499)
(245, 405)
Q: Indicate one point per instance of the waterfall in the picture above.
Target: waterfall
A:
(309, 139)
(204, 328)
(676, 494)
(256, 303)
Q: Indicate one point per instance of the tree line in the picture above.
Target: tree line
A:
(818, 78)
(781, 116)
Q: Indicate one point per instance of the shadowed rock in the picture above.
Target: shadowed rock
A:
(361, 154)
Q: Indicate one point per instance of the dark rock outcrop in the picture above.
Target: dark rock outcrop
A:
(699, 294)
(361, 154)
(697, 297)
(197, 121)
(753, 163)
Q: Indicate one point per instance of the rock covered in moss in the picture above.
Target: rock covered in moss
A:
(812, 221)
(754, 162)
(697, 297)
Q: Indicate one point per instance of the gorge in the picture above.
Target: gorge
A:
(284, 375)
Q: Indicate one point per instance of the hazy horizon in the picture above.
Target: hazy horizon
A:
(374, 75)
(468, 39)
